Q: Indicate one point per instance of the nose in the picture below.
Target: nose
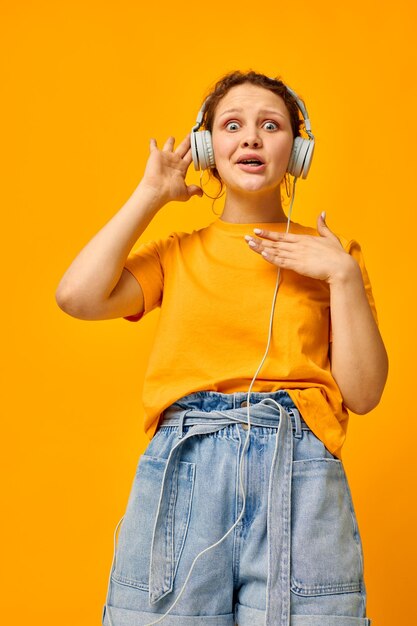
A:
(252, 139)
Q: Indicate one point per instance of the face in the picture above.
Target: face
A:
(252, 138)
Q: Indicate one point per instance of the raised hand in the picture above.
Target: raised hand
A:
(320, 257)
(166, 170)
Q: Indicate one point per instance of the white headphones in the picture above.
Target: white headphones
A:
(301, 154)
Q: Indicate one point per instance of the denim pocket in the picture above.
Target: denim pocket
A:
(135, 538)
(326, 551)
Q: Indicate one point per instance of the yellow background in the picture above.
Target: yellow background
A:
(85, 84)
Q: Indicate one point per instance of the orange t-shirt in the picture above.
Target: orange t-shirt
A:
(215, 297)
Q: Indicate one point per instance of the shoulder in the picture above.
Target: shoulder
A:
(177, 238)
(175, 242)
(350, 244)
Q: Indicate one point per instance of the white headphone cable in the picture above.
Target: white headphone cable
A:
(271, 319)
(241, 459)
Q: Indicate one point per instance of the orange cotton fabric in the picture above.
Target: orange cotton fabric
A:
(215, 296)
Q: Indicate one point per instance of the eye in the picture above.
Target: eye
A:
(233, 126)
(271, 125)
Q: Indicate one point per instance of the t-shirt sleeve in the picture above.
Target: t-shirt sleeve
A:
(146, 266)
(355, 250)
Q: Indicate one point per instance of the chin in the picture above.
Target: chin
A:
(254, 186)
(252, 183)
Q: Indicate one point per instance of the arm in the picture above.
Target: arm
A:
(359, 362)
(96, 285)
(88, 284)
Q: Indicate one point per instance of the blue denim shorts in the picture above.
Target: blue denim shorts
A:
(229, 523)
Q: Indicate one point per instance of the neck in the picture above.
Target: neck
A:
(244, 208)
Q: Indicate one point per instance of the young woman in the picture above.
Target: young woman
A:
(240, 511)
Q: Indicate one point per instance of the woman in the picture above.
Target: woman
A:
(240, 511)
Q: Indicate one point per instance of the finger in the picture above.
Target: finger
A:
(152, 144)
(169, 144)
(274, 256)
(264, 244)
(324, 230)
(273, 235)
(321, 221)
(272, 251)
(184, 146)
(258, 244)
(275, 259)
(188, 157)
(194, 190)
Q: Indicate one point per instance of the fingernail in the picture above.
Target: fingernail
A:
(257, 231)
(323, 215)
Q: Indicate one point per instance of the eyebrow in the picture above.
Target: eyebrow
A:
(262, 112)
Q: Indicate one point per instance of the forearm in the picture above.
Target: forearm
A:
(359, 361)
(96, 270)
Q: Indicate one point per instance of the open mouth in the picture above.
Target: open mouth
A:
(251, 165)
(250, 162)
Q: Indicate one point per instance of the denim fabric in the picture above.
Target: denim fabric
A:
(294, 558)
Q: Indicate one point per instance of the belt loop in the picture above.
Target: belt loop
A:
(180, 428)
(298, 432)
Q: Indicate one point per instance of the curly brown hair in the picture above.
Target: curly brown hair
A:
(224, 84)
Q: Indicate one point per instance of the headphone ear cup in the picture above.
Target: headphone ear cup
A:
(202, 150)
(194, 153)
(301, 156)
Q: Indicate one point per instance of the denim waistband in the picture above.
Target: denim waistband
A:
(211, 407)
(279, 489)
(214, 400)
